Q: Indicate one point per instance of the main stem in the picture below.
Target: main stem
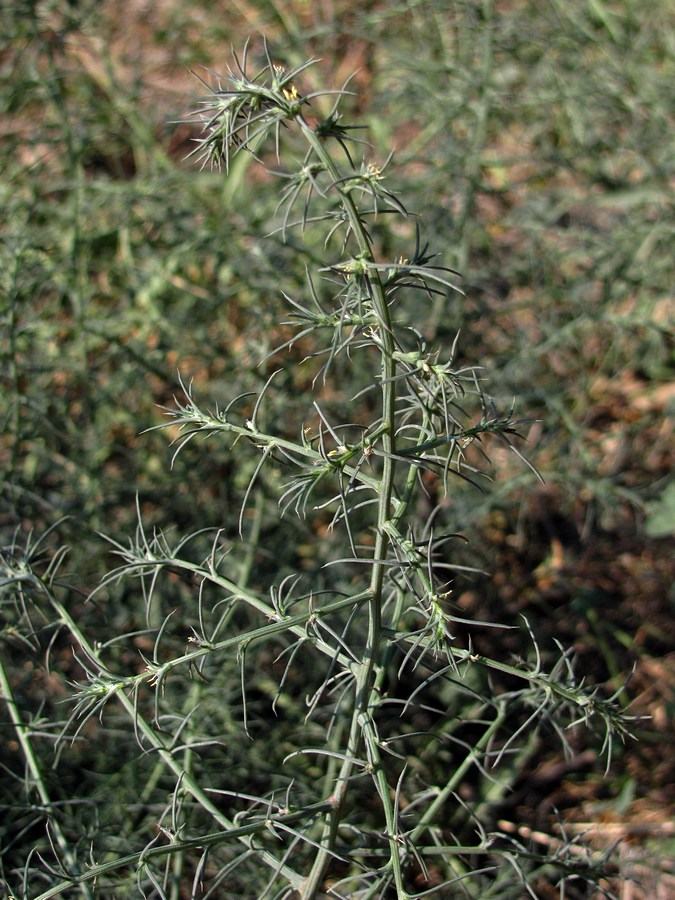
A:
(367, 671)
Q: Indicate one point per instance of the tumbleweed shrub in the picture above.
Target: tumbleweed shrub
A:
(305, 711)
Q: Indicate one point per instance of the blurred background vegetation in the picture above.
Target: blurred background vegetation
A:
(535, 140)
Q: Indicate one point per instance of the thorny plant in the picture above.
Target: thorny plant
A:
(351, 813)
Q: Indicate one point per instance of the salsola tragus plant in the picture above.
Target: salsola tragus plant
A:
(317, 727)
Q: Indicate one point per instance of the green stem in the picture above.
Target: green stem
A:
(33, 766)
(366, 674)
